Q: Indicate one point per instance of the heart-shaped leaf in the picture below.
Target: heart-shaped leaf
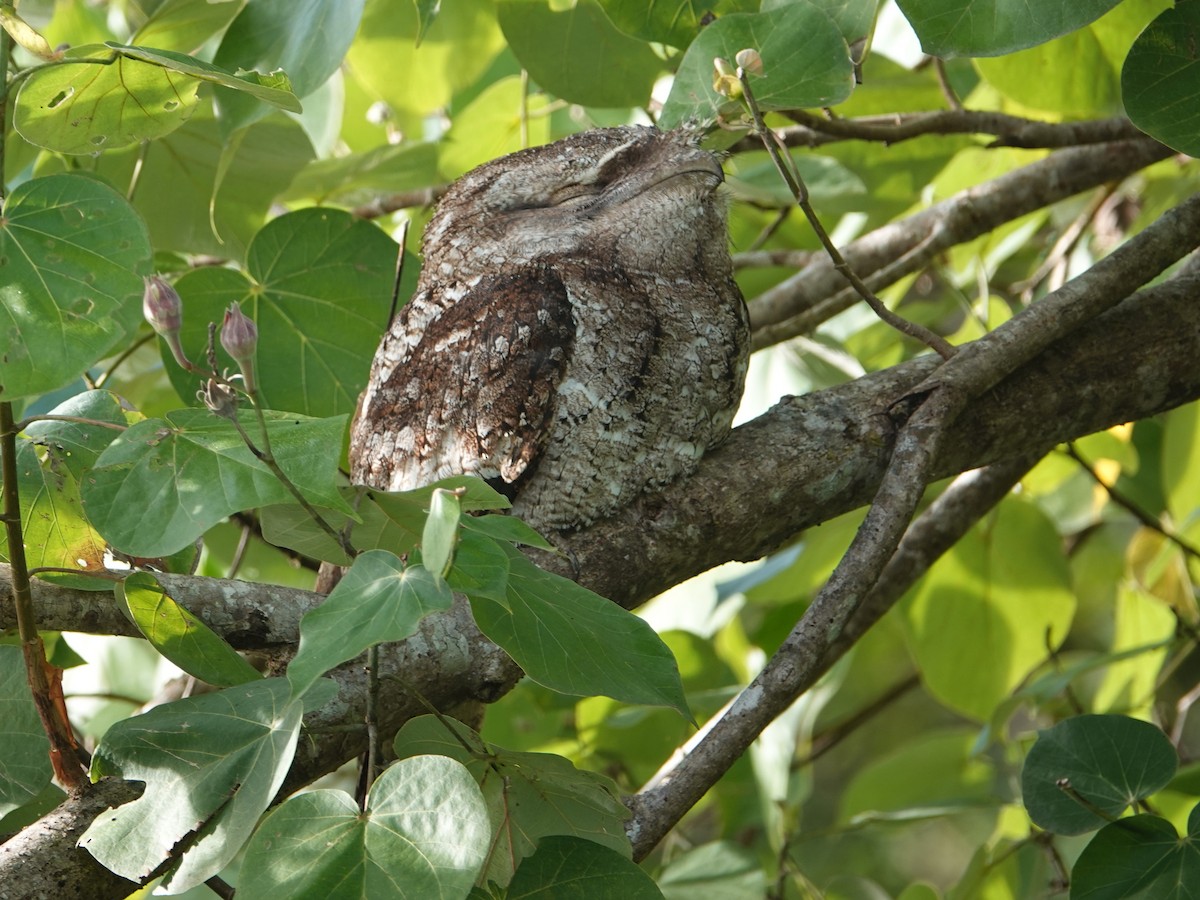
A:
(72, 250)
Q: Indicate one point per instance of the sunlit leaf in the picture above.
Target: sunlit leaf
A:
(441, 532)
(211, 765)
(181, 637)
(73, 252)
(50, 467)
(1003, 604)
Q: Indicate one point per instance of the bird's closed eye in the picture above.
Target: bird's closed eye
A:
(574, 195)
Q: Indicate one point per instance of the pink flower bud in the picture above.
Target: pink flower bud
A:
(239, 337)
(164, 311)
(161, 306)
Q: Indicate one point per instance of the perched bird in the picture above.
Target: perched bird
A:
(576, 336)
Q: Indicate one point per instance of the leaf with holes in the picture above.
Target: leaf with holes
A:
(72, 251)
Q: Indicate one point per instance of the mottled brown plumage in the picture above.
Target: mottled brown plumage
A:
(576, 336)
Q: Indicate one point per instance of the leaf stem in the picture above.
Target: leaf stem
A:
(791, 177)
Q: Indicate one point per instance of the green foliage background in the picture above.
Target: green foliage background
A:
(272, 153)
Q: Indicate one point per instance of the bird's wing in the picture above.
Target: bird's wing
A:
(474, 392)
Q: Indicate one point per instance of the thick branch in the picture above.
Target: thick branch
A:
(799, 303)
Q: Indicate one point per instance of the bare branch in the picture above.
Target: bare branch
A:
(801, 302)
(1010, 131)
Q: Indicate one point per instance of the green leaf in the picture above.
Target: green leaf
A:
(24, 34)
(992, 27)
(378, 599)
(427, 11)
(1139, 856)
(424, 833)
(507, 528)
(387, 521)
(456, 49)
(805, 63)
(568, 865)
(936, 769)
(854, 18)
(275, 89)
(721, 870)
(1161, 79)
(501, 120)
(1109, 763)
(1004, 592)
(1181, 462)
(1030, 76)
(114, 100)
(167, 468)
(319, 288)
(440, 533)
(674, 22)
(50, 465)
(186, 25)
(211, 765)
(306, 38)
(361, 177)
(573, 641)
(575, 53)
(181, 637)
(24, 747)
(529, 795)
(73, 252)
(480, 568)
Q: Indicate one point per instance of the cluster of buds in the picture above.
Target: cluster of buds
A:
(163, 309)
(727, 79)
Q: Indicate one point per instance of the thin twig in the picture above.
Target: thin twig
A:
(795, 183)
(1118, 497)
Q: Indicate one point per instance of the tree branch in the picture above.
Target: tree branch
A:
(1010, 131)
(800, 303)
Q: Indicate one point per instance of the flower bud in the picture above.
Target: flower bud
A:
(725, 80)
(164, 311)
(239, 337)
(161, 306)
(750, 61)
